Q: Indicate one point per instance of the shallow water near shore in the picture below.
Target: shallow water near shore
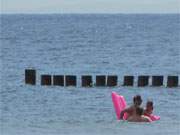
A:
(86, 44)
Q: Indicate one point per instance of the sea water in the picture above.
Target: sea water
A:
(94, 44)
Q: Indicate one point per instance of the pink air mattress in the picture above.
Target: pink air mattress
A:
(119, 104)
(153, 117)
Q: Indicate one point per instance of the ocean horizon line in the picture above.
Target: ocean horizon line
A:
(89, 13)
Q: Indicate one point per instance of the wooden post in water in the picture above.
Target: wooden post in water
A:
(46, 80)
(58, 80)
(143, 81)
(100, 80)
(86, 81)
(172, 81)
(157, 80)
(30, 76)
(70, 80)
(112, 80)
(128, 81)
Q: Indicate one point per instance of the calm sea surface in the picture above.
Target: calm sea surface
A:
(86, 44)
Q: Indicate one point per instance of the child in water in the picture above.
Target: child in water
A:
(138, 116)
(149, 108)
(132, 109)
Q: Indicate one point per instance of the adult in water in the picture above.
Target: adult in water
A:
(138, 116)
(137, 100)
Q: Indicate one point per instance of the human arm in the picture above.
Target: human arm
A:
(126, 110)
(146, 119)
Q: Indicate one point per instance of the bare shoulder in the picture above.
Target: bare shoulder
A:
(130, 108)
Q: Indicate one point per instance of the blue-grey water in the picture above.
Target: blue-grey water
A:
(86, 44)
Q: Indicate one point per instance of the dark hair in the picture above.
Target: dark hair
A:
(137, 98)
(139, 111)
(149, 103)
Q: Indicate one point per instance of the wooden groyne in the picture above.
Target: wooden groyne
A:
(101, 80)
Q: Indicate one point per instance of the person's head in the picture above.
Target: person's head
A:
(139, 111)
(137, 100)
(149, 105)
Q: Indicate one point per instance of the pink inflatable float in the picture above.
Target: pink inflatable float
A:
(120, 103)
(153, 117)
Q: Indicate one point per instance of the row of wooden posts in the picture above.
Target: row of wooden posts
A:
(101, 80)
